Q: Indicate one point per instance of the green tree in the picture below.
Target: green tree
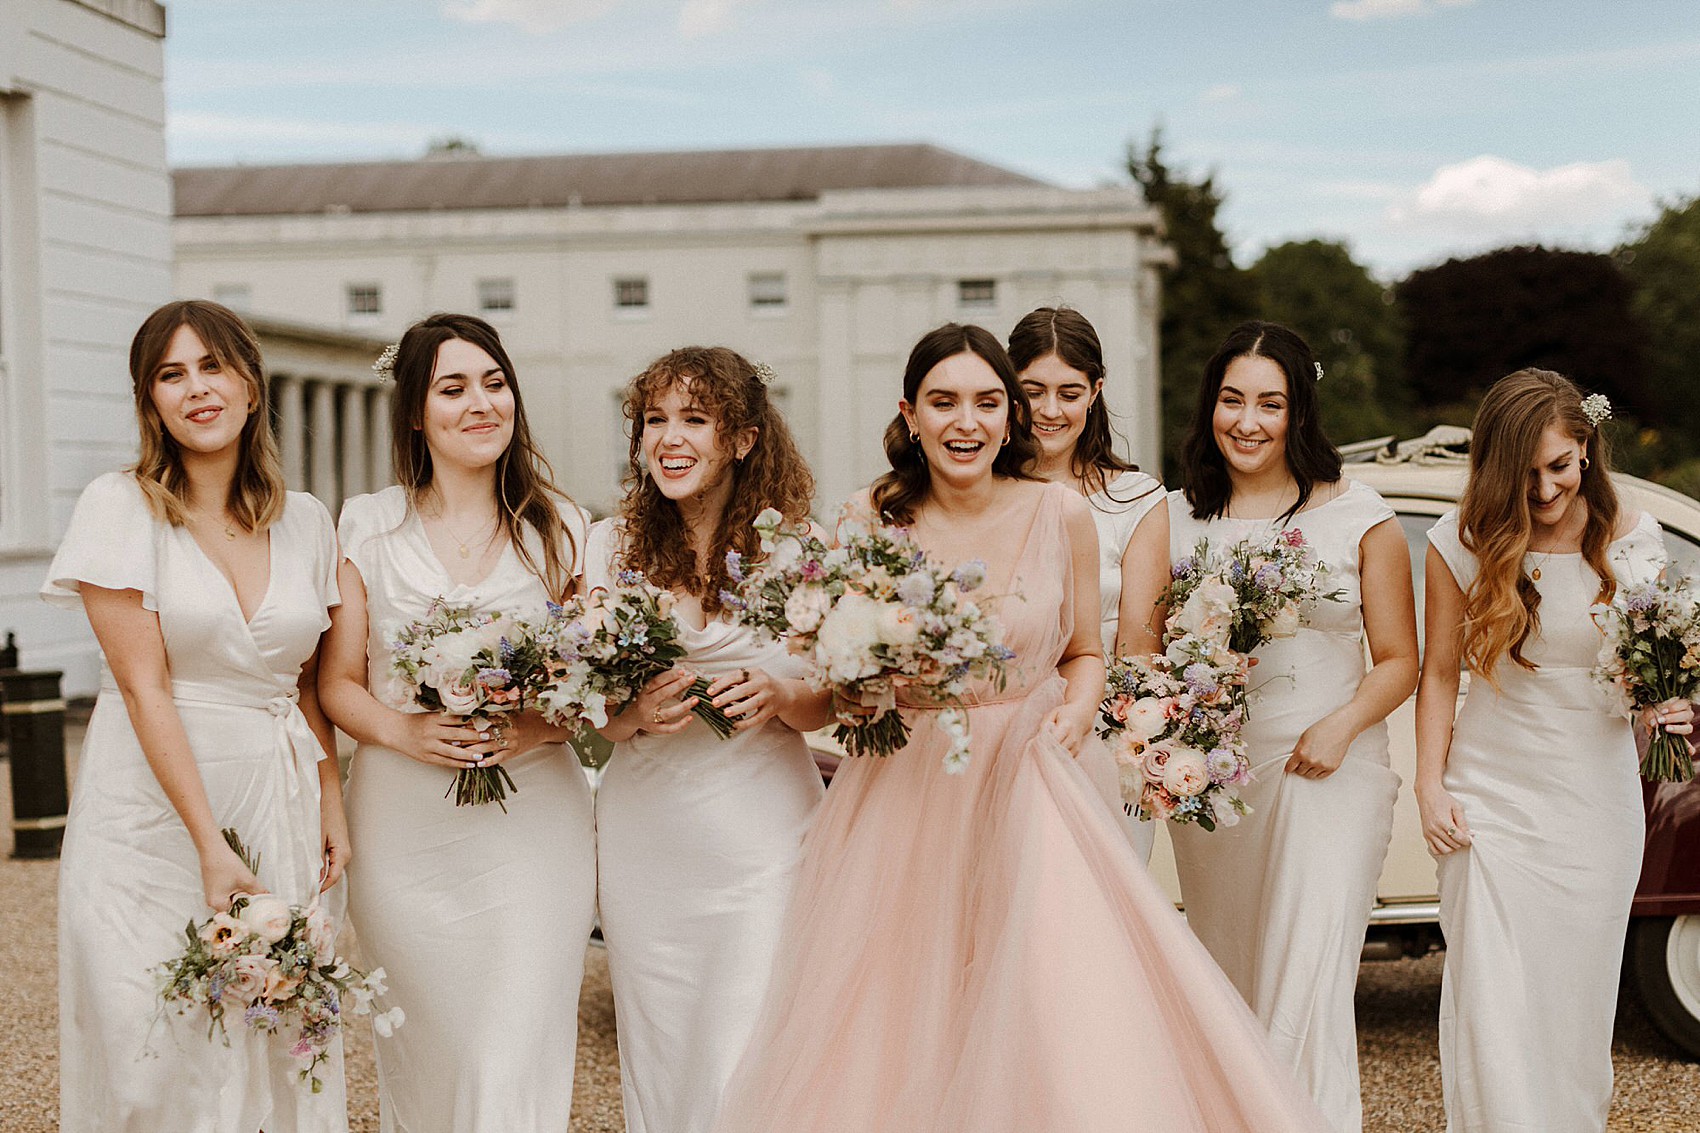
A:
(1205, 295)
(1663, 262)
(1315, 287)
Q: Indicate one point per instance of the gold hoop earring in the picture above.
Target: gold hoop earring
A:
(1584, 464)
(1005, 440)
(914, 438)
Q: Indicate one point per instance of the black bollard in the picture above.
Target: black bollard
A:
(35, 724)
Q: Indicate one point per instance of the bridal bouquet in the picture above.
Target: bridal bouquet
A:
(1248, 593)
(599, 650)
(275, 966)
(874, 616)
(477, 665)
(1651, 654)
(1173, 724)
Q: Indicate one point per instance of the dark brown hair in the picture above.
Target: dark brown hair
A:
(898, 493)
(256, 496)
(526, 495)
(772, 474)
(1068, 334)
(1502, 605)
(1311, 457)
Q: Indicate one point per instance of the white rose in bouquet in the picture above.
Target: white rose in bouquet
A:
(1286, 621)
(1209, 610)
(898, 625)
(806, 606)
(267, 917)
(1146, 719)
(847, 638)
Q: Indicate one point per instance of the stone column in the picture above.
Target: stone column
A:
(291, 429)
(321, 453)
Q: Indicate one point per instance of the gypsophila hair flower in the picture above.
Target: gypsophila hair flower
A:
(764, 373)
(1318, 366)
(384, 367)
(1596, 407)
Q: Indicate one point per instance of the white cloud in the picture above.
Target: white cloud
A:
(1490, 191)
(537, 17)
(1221, 92)
(699, 18)
(1388, 9)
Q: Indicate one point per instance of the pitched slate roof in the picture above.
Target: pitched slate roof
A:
(473, 182)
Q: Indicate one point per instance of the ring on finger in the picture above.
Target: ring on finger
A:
(655, 717)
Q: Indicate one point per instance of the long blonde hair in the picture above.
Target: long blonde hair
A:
(1502, 606)
(257, 490)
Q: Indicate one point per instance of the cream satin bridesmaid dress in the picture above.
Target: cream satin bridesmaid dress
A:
(698, 843)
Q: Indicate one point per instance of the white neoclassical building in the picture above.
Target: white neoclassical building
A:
(827, 263)
(85, 253)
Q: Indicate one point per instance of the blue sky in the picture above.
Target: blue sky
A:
(1413, 129)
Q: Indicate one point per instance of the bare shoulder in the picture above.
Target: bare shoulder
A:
(1628, 520)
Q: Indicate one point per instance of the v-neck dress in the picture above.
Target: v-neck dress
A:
(698, 841)
(479, 917)
(983, 953)
(129, 878)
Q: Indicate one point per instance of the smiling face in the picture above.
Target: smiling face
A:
(468, 418)
(1555, 478)
(683, 447)
(202, 403)
(961, 412)
(1060, 397)
(1250, 419)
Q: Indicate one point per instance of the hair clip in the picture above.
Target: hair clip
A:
(1318, 366)
(384, 367)
(764, 373)
(1596, 407)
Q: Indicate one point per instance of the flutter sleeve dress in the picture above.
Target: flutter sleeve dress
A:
(983, 953)
(1282, 899)
(1536, 907)
(479, 916)
(129, 877)
(698, 843)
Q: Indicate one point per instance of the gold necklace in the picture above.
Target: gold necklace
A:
(463, 546)
(223, 521)
(1535, 575)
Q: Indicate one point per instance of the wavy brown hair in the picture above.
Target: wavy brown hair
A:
(773, 474)
(1069, 335)
(526, 494)
(256, 495)
(897, 494)
(1502, 606)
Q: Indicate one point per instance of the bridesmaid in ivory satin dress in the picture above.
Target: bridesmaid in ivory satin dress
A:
(1061, 363)
(698, 838)
(479, 915)
(1531, 801)
(1282, 899)
(983, 952)
(207, 587)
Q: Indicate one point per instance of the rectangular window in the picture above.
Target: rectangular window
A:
(496, 296)
(631, 293)
(976, 294)
(236, 296)
(365, 299)
(767, 291)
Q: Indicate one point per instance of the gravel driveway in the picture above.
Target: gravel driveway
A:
(1657, 1089)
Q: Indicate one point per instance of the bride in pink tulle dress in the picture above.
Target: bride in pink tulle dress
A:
(982, 952)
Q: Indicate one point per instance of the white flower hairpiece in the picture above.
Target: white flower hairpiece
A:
(1318, 366)
(764, 373)
(1596, 407)
(384, 367)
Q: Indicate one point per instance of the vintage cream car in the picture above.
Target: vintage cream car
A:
(1421, 480)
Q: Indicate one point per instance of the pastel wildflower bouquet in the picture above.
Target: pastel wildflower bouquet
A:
(1173, 724)
(1249, 592)
(1651, 654)
(600, 649)
(274, 966)
(874, 616)
(480, 665)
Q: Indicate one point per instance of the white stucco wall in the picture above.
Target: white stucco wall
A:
(867, 272)
(85, 254)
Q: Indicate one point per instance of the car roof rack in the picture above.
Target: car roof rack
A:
(1443, 444)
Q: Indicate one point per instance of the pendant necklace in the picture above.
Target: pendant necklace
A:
(1535, 575)
(463, 546)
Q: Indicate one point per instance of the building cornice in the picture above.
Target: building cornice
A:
(143, 15)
